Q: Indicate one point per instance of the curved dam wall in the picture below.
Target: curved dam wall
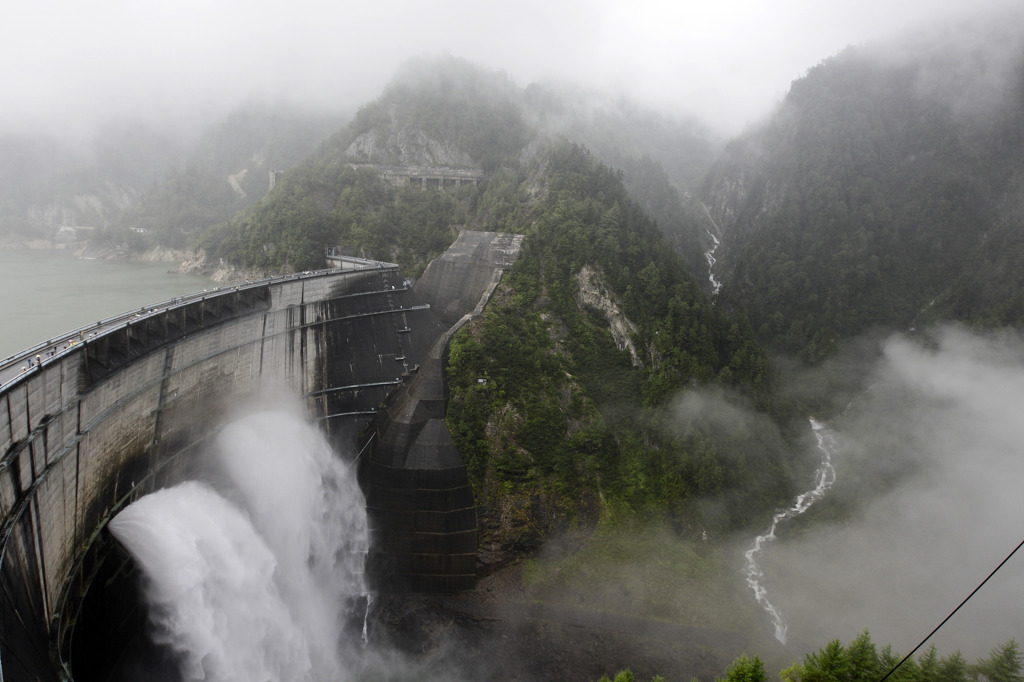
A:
(419, 499)
(127, 409)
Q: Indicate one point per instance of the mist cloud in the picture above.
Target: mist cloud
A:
(65, 64)
(938, 438)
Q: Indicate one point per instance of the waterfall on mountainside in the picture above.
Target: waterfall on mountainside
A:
(825, 477)
(709, 256)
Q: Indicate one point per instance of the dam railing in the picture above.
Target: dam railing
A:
(23, 362)
(103, 415)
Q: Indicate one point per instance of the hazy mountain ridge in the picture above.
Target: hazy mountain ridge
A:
(129, 175)
(450, 113)
(870, 191)
(441, 112)
(569, 425)
(48, 183)
(228, 169)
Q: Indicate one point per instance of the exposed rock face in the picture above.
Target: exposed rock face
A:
(406, 146)
(219, 270)
(236, 183)
(594, 293)
(88, 209)
(164, 254)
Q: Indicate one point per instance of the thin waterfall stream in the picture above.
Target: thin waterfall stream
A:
(825, 477)
(709, 256)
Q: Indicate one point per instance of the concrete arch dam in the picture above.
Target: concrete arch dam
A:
(126, 407)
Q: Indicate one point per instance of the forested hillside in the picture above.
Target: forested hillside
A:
(884, 192)
(663, 160)
(862, 661)
(449, 113)
(226, 170)
(456, 116)
(568, 423)
(48, 182)
(571, 421)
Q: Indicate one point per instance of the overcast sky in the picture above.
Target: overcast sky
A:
(727, 61)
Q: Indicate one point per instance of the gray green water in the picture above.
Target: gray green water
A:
(45, 293)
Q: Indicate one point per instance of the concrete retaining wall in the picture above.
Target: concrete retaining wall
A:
(127, 410)
(123, 408)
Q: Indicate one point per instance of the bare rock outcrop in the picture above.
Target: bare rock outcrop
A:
(407, 145)
(593, 292)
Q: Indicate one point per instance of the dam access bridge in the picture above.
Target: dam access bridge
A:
(113, 411)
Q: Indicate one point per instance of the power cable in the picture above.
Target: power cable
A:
(907, 657)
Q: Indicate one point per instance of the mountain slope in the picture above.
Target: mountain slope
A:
(586, 344)
(563, 393)
(228, 169)
(166, 184)
(47, 183)
(877, 184)
(447, 113)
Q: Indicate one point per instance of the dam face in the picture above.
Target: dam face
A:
(125, 408)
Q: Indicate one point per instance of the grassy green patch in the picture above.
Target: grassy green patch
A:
(646, 572)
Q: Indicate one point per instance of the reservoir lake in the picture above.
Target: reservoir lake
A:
(44, 293)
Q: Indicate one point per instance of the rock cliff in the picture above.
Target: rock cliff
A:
(405, 145)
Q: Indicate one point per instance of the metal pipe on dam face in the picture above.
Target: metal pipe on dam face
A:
(127, 408)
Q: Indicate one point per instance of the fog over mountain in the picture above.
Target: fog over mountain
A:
(868, 205)
(67, 66)
(930, 454)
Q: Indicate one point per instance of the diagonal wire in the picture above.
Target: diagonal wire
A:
(905, 658)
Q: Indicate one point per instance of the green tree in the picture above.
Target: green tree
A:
(827, 665)
(745, 669)
(862, 660)
(1003, 664)
(952, 668)
(907, 672)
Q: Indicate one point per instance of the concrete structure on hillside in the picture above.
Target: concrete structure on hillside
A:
(418, 496)
(426, 177)
(125, 407)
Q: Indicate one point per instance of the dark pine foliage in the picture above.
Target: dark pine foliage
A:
(868, 199)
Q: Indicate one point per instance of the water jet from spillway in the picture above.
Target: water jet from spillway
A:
(255, 580)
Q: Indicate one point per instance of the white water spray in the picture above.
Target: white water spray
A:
(825, 477)
(257, 590)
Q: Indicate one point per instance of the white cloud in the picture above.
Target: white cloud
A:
(62, 61)
(937, 439)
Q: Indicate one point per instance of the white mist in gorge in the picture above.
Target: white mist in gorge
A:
(932, 459)
(255, 582)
